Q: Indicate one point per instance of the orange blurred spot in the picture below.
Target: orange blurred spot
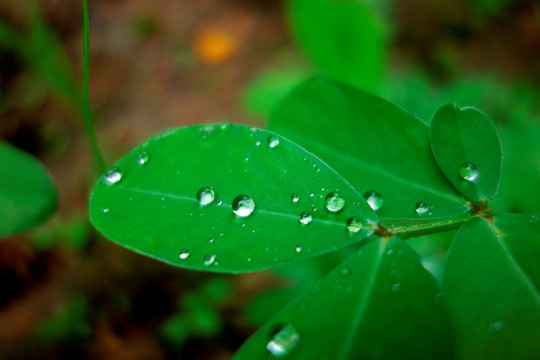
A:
(214, 46)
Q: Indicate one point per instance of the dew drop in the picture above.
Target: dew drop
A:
(305, 218)
(295, 197)
(273, 141)
(469, 172)
(257, 143)
(389, 252)
(225, 127)
(298, 248)
(142, 159)
(354, 225)
(209, 260)
(345, 271)
(334, 202)
(106, 210)
(184, 254)
(113, 175)
(284, 341)
(374, 200)
(205, 196)
(422, 209)
(243, 205)
(396, 287)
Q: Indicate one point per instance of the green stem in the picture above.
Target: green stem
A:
(405, 229)
(86, 96)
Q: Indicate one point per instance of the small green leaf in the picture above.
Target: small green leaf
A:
(352, 313)
(27, 193)
(344, 39)
(467, 148)
(491, 285)
(373, 144)
(226, 198)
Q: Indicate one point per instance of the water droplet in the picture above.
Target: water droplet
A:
(257, 143)
(469, 172)
(225, 127)
(345, 271)
(496, 326)
(243, 205)
(106, 210)
(184, 254)
(295, 197)
(334, 202)
(248, 259)
(298, 248)
(221, 233)
(354, 225)
(113, 175)
(422, 209)
(395, 287)
(211, 240)
(273, 141)
(305, 218)
(209, 260)
(142, 159)
(374, 200)
(389, 252)
(205, 196)
(284, 341)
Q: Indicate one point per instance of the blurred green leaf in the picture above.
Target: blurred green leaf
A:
(151, 201)
(28, 195)
(353, 313)
(373, 144)
(268, 89)
(467, 148)
(69, 323)
(491, 285)
(344, 39)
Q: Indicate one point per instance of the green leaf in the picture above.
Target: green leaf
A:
(467, 148)
(27, 193)
(352, 313)
(154, 208)
(344, 39)
(373, 144)
(491, 285)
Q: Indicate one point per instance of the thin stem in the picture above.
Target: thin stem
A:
(86, 96)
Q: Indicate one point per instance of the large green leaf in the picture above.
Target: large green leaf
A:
(344, 39)
(27, 193)
(373, 144)
(467, 148)
(379, 304)
(149, 202)
(491, 283)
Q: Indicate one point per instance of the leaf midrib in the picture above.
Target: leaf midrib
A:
(364, 301)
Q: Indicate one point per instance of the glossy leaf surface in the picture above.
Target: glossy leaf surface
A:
(491, 284)
(373, 144)
(467, 148)
(27, 193)
(151, 205)
(344, 39)
(352, 313)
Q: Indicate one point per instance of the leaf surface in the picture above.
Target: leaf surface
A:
(154, 208)
(344, 39)
(491, 284)
(468, 150)
(373, 144)
(378, 304)
(28, 195)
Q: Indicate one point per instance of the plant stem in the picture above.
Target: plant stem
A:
(86, 96)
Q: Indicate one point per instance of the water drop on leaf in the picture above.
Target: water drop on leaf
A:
(206, 196)
(469, 172)
(334, 202)
(422, 209)
(354, 225)
(184, 254)
(273, 141)
(374, 200)
(295, 197)
(298, 248)
(396, 287)
(345, 271)
(113, 175)
(209, 260)
(142, 159)
(243, 205)
(284, 341)
(305, 218)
